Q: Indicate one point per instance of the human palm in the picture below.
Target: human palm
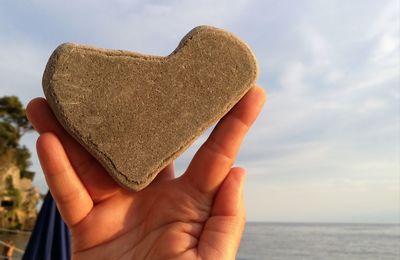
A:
(197, 215)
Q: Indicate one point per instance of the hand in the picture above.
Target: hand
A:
(199, 215)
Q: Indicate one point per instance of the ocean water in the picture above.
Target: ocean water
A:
(320, 241)
(288, 241)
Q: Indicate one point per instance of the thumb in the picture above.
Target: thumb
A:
(223, 231)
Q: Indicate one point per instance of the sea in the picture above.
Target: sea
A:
(278, 241)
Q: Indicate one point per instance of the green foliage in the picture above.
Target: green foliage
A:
(23, 161)
(13, 113)
(9, 137)
(28, 175)
(11, 191)
(13, 125)
(9, 182)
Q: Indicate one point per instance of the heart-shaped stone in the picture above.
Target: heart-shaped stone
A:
(136, 113)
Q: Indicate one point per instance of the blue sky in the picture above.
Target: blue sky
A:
(327, 145)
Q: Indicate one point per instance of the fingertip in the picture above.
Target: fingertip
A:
(260, 89)
(258, 94)
(45, 142)
(238, 173)
(33, 110)
(229, 199)
(165, 175)
(34, 103)
(40, 142)
(45, 137)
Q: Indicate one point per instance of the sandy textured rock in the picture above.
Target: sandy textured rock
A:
(136, 113)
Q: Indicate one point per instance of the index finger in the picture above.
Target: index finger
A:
(214, 159)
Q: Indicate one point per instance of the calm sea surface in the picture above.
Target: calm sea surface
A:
(320, 241)
(303, 241)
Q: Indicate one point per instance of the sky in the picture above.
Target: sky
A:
(326, 148)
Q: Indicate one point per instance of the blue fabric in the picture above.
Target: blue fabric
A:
(50, 238)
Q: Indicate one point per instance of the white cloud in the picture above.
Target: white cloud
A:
(333, 118)
(292, 79)
(326, 201)
(152, 27)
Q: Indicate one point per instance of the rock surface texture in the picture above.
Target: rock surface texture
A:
(136, 113)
